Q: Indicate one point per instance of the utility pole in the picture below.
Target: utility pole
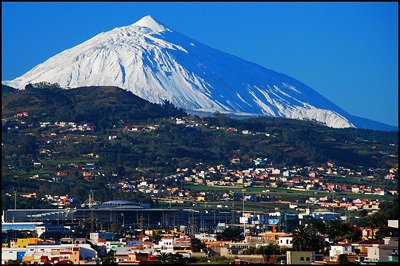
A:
(141, 221)
(15, 199)
(170, 198)
(192, 225)
(244, 220)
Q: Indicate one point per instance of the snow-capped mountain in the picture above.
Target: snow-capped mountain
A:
(157, 63)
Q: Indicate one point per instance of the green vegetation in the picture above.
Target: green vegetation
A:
(283, 193)
(230, 233)
(102, 106)
(6, 90)
(156, 153)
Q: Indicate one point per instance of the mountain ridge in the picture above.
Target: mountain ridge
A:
(157, 63)
(103, 105)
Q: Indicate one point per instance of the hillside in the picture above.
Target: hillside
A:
(6, 90)
(125, 137)
(211, 139)
(97, 104)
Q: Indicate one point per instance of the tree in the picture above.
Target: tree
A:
(300, 236)
(268, 251)
(197, 245)
(230, 233)
(14, 262)
(319, 225)
(156, 237)
(163, 257)
(307, 238)
(109, 258)
(375, 221)
(169, 258)
(342, 259)
(250, 251)
(338, 230)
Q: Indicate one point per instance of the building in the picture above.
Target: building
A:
(300, 257)
(326, 216)
(105, 236)
(386, 252)
(52, 253)
(38, 227)
(338, 249)
(285, 241)
(8, 254)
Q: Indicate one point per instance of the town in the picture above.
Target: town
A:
(243, 210)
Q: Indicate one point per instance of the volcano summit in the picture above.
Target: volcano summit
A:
(157, 63)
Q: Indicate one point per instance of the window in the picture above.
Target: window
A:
(307, 258)
(301, 258)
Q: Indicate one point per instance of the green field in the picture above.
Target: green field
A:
(285, 194)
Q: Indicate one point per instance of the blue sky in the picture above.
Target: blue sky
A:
(348, 52)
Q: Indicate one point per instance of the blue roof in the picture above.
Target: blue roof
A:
(5, 227)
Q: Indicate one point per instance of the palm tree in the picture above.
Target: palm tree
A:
(163, 257)
(300, 236)
(307, 238)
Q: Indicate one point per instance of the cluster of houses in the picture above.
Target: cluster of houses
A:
(68, 126)
(263, 175)
(144, 247)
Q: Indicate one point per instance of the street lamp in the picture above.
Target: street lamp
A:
(123, 220)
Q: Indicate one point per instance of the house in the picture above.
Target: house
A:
(285, 241)
(112, 245)
(183, 246)
(121, 254)
(59, 252)
(236, 248)
(165, 245)
(386, 252)
(271, 237)
(235, 160)
(369, 233)
(8, 254)
(96, 236)
(205, 237)
(300, 257)
(338, 249)
(326, 216)
(361, 247)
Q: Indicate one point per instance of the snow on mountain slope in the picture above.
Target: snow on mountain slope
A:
(157, 64)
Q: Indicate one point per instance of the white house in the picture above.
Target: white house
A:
(8, 254)
(339, 249)
(165, 245)
(285, 241)
(206, 237)
(381, 252)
